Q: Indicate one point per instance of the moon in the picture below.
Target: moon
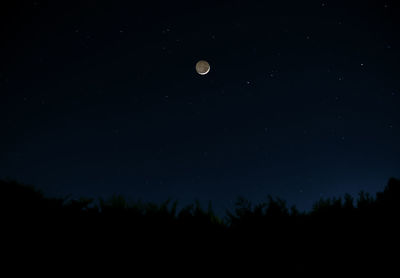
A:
(202, 67)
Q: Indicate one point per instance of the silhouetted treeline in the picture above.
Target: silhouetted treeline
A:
(343, 230)
(25, 200)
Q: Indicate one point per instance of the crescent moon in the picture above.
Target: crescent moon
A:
(202, 67)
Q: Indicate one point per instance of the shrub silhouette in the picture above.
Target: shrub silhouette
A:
(331, 227)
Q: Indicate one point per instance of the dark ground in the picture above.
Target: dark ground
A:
(339, 235)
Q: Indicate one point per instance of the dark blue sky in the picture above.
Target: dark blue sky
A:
(301, 101)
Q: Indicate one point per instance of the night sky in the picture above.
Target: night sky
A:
(101, 97)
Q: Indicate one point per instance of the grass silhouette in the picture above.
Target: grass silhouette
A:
(339, 234)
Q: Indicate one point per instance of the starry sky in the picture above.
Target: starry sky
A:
(102, 97)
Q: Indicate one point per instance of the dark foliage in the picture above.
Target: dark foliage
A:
(337, 234)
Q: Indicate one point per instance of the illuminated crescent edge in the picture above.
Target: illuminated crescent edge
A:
(203, 73)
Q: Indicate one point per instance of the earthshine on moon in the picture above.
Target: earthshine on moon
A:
(202, 67)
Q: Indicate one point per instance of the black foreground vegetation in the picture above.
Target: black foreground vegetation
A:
(338, 234)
